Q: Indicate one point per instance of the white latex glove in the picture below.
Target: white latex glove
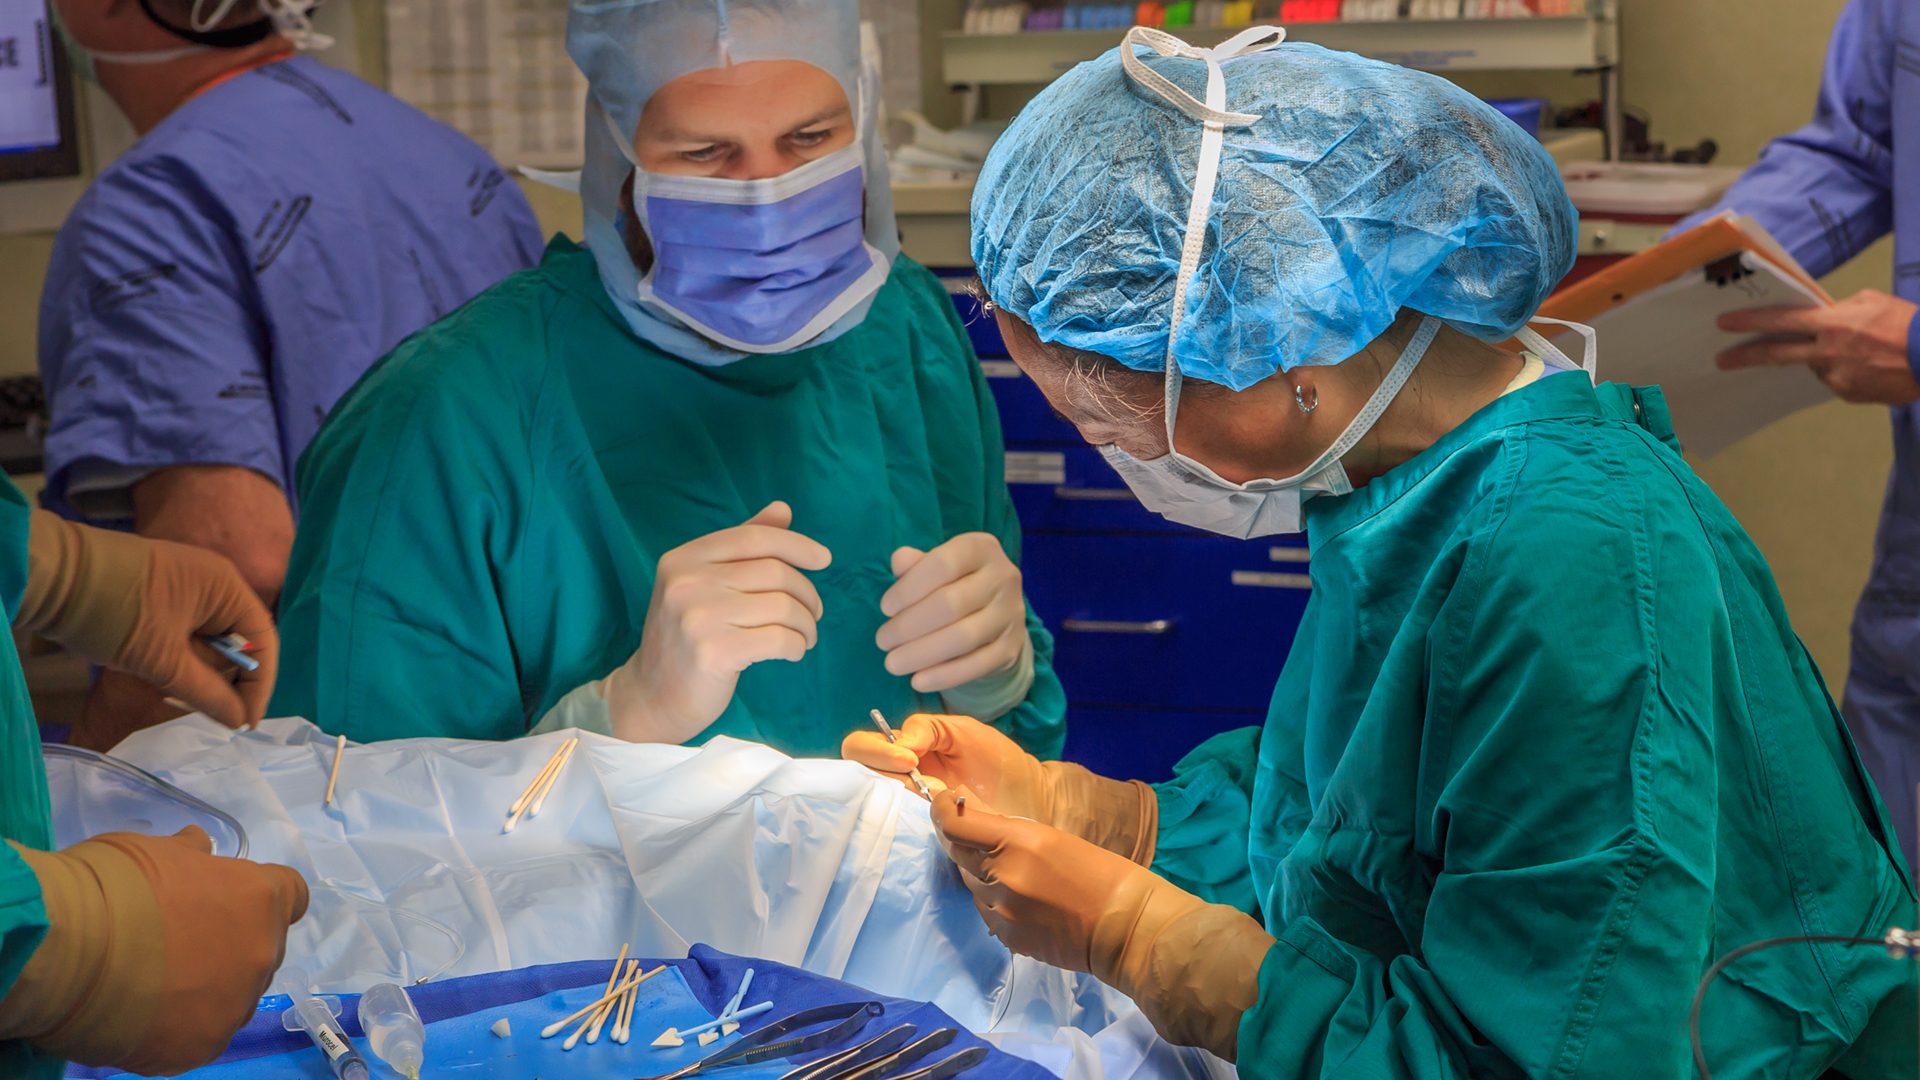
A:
(957, 617)
(720, 604)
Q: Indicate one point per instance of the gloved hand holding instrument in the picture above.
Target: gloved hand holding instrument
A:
(957, 623)
(156, 951)
(1121, 816)
(1192, 967)
(1056, 857)
(143, 606)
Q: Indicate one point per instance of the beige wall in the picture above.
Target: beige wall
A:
(1807, 488)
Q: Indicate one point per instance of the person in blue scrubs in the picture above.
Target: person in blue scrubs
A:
(1826, 192)
(279, 227)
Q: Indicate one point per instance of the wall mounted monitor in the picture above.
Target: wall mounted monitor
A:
(37, 134)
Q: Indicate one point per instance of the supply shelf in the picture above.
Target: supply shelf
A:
(1587, 43)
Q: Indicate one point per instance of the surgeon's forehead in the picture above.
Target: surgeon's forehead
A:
(796, 94)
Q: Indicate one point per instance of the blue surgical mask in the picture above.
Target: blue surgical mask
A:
(762, 266)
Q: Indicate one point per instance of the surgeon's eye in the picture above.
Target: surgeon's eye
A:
(705, 153)
(812, 137)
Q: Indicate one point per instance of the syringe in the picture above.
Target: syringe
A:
(315, 1016)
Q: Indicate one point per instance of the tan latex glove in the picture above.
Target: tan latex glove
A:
(721, 604)
(1122, 816)
(957, 623)
(1192, 967)
(138, 605)
(156, 953)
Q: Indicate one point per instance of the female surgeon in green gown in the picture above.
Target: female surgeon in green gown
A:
(140, 953)
(737, 428)
(1545, 746)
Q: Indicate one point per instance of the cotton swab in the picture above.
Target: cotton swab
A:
(612, 1009)
(623, 1020)
(552, 1029)
(339, 749)
(540, 777)
(591, 1024)
(633, 1002)
(552, 778)
(555, 1028)
(526, 797)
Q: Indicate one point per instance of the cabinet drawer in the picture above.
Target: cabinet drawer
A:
(1181, 622)
(1144, 744)
(1073, 487)
(1025, 415)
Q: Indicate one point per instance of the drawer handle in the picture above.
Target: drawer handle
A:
(1095, 494)
(1109, 626)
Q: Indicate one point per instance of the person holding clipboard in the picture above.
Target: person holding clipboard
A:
(1826, 192)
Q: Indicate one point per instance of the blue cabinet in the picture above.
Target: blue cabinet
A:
(1164, 635)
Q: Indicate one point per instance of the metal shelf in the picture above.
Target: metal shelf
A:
(1588, 42)
(1555, 43)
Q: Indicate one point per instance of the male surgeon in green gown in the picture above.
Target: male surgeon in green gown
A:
(732, 469)
(140, 953)
(1545, 747)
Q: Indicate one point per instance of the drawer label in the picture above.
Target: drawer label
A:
(1001, 369)
(1287, 554)
(1036, 467)
(1267, 579)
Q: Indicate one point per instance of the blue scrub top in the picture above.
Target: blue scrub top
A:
(1826, 192)
(222, 283)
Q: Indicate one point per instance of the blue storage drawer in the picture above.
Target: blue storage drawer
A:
(1025, 414)
(1186, 621)
(1144, 744)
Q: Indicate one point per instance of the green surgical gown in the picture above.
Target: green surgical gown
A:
(1546, 747)
(24, 815)
(482, 513)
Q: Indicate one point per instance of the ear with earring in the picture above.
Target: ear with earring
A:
(1307, 396)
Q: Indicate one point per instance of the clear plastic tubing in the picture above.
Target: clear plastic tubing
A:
(393, 1029)
(315, 1016)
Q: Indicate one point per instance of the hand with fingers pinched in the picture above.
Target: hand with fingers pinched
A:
(1858, 347)
(957, 623)
(1121, 816)
(721, 603)
(140, 606)
(1192, 967)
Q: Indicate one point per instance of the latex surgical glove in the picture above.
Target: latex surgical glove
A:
(139, 605)
(1192, 967)
(1858, 347)
(1122, 816)
(156, 951)
(957, 623)
(721, 603)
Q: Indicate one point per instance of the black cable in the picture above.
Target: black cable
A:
(1700, 995)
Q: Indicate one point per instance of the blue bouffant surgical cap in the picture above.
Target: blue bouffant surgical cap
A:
(1357, 188)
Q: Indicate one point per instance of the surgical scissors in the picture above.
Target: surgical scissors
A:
(948, 1067)
(878, 1046)
(760, 1045)
(902, 1058)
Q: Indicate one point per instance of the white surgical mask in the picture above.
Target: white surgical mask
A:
(1175, 486)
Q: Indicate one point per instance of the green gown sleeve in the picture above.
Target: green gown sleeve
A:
(24, 812)
(1204, 812)
(1579, 690)
(411, 501)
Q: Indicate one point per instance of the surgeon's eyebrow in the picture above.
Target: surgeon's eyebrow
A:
(835, 112)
